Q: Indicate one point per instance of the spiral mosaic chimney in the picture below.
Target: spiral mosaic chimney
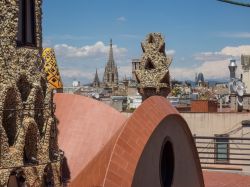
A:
(153, 74)
(51, 69)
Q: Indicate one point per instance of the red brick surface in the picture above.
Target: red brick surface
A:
(203, 106)
(222, 179)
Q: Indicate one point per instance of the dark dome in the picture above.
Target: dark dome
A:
(200, 77)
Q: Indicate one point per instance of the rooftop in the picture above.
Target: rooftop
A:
(217, 179)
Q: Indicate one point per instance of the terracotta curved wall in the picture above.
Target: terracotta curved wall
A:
(134, 137)
(173, 130)
(85, 127)
(115, 164)
(93, 174)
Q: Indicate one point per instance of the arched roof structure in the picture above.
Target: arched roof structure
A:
(85, 127)
(122, 158)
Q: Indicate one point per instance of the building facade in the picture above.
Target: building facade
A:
(228, 144)
(245, 63)
(135, 66)
(110, 77)
(29, 153)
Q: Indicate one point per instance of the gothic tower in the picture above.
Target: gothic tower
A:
(29, 154)
(96, 82)
(110, 77)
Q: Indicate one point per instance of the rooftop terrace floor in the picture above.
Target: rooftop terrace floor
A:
(222, 179)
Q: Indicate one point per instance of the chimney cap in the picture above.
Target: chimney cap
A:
(232, 63)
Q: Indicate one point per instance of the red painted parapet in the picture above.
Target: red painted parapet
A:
(203, 106)
(154, 147)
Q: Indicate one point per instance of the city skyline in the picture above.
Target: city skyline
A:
(201, 36)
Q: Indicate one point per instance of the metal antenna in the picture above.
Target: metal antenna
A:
(236, 3)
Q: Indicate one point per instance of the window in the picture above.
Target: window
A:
(221, 149)
(167, 164)
(26, 23)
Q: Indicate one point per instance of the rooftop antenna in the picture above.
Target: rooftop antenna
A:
(239, 88)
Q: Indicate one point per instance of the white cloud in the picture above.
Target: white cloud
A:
(214, 64)
(82, 75)
(210, 56)
(80, 62)
(170, 52)
(242, 35)
(47, 43)
(121, 19)
(226, 52)
(210, 69)
(125, 71)
(98, 50)
(88, 74)
(236, 51)
(75, 73)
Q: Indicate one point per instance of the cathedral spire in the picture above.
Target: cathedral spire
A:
(111, 56)
(110, 77)
(96, 82)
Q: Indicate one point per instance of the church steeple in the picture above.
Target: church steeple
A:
(96, 82)
(110, 77)
(111, 61)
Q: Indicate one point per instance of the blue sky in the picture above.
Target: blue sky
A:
(201, 35)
